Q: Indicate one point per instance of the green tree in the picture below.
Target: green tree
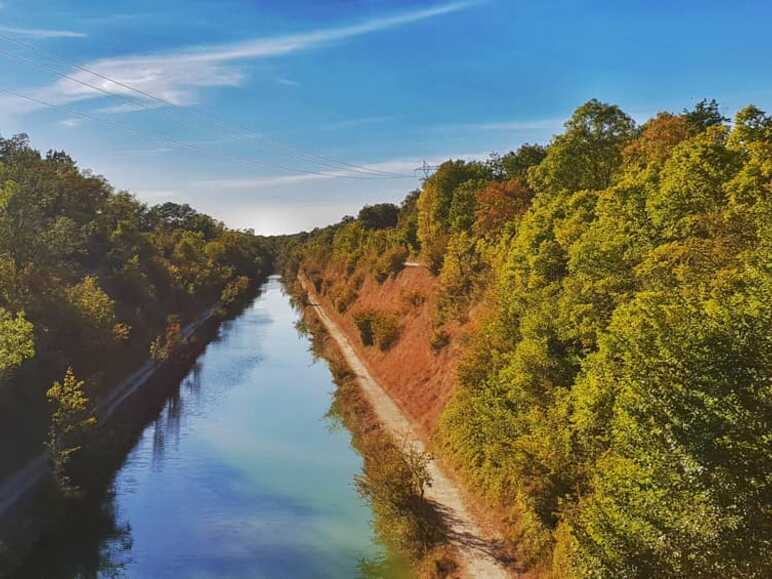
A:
(380, 216)
(71, 418)
(588, 154)
(17, 341)
(705, 114)
(434, 205)
(515, 165)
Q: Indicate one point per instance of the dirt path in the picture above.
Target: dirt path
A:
(478, 550)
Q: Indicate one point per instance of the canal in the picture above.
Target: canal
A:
(240, 475)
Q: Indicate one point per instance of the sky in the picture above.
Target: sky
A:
(284, 115)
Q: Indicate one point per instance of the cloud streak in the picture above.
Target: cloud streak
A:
(178, 76)
(514, 126)
(402, 166)
(360, 122)
(70, 123)
(41, 33)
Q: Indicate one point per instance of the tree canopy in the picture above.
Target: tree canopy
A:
(615, 397)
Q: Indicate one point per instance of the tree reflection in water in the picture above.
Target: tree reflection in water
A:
(102, 548)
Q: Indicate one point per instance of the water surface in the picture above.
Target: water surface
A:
(241, 475)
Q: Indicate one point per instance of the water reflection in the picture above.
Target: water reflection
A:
(234, 475)
(102, 549)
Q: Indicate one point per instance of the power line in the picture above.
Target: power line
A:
(426, 169)
(171, 104)
(316, 159)
(292, 171)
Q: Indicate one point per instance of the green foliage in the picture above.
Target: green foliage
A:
(380, 216)
(463, 206)
(394, 484)
(364, 323)
(705, 114)
(93, 310)
(615, 396)
(17, 340)
(236, 291)
(440, 338)
(515, 165)
(377, 328)
(689, 444)
(96, 273)
(436, 201)
(460, 275)
(692, 184)
(408, 222)
(386, 330)
(588, 153)
(391, 262)
(71, 418)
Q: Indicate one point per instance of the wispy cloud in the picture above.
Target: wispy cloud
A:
(530, 125)
(403, 166)
(70, 123)
(41, 33)
(287, 82)
(359, 122)
(130, 107)
(177, 76)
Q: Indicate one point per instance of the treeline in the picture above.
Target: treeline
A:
(90, 278)
(615, 397)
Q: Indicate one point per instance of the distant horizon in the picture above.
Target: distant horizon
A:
(354, 210)
(252, 114)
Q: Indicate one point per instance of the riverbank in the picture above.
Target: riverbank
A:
(237, 473)
(478, 550)
(27, 508)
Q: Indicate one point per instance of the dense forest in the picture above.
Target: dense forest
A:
(92, 283)
(614, 398)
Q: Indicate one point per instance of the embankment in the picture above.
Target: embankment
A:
(418, 377)
(479, 549)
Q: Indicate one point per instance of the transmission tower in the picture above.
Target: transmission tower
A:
(426, 169)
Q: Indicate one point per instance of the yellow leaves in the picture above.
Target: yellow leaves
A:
(121, 332)
(71, 418)
(71, 405)
(692, 183)
(7, 190)
(92, 303)
(17, 341)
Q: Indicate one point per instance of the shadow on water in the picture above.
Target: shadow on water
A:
(243, 485)
(83, 537)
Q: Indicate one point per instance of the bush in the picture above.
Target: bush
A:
(381, 328)
(364, 322)
(235, 291)
(347, 297)
(394, 484)
(342, 296)
(385, 330)
(393, 261)
(413, 298)
(440, 339)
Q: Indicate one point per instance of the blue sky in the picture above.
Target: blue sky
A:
(260, 107)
